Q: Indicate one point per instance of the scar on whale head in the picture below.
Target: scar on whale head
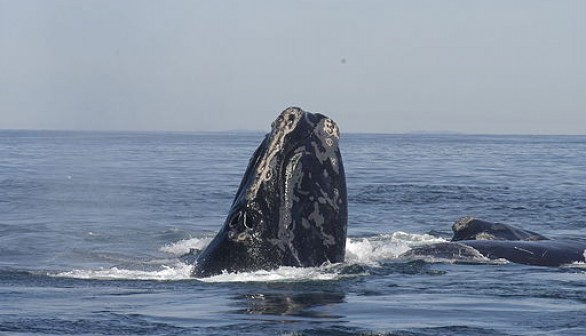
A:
(291, 207)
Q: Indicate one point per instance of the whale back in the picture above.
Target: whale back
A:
(470, 228)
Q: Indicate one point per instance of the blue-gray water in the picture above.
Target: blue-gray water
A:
(92, 226)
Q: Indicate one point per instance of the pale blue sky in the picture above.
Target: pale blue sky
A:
(374, 66)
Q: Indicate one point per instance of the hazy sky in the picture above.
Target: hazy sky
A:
(373, 66)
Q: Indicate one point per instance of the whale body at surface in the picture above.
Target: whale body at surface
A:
(291, 207)
(474, 237)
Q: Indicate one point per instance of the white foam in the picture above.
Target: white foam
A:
(179, 271)
(414, 239)
(578, 264)
(369, 251)
(281, 274)
(183, 247)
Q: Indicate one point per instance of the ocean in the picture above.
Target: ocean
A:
(93, 226)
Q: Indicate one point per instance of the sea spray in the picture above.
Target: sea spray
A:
(178, 271)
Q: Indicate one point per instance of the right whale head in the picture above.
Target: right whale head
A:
(470, 228)
(291, 206)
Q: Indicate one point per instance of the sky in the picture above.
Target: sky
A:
(484, 67)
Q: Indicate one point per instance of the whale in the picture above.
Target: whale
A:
(473, 238)
(471, 228)
(291, 207)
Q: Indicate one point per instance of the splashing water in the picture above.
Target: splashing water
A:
(178, 271)
(281, 274)
(369, 251)
(183, 247)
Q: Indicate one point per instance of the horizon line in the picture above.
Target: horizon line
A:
(258, 131)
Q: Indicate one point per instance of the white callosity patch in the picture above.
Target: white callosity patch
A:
(329, 136)
(293, 177)
(284, 125)
(331, 129)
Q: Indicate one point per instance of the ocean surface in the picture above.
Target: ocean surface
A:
(93, 226)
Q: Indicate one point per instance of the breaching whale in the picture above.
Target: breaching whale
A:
(291, 210)
(291, 207)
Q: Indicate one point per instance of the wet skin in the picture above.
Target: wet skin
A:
(475, 237)
(291, 207)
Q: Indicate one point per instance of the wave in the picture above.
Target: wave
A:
(578, 264)
(374, 250)
(185, 246)
(177, 271)
(281, 274)
(369, 251)
(415, 194)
